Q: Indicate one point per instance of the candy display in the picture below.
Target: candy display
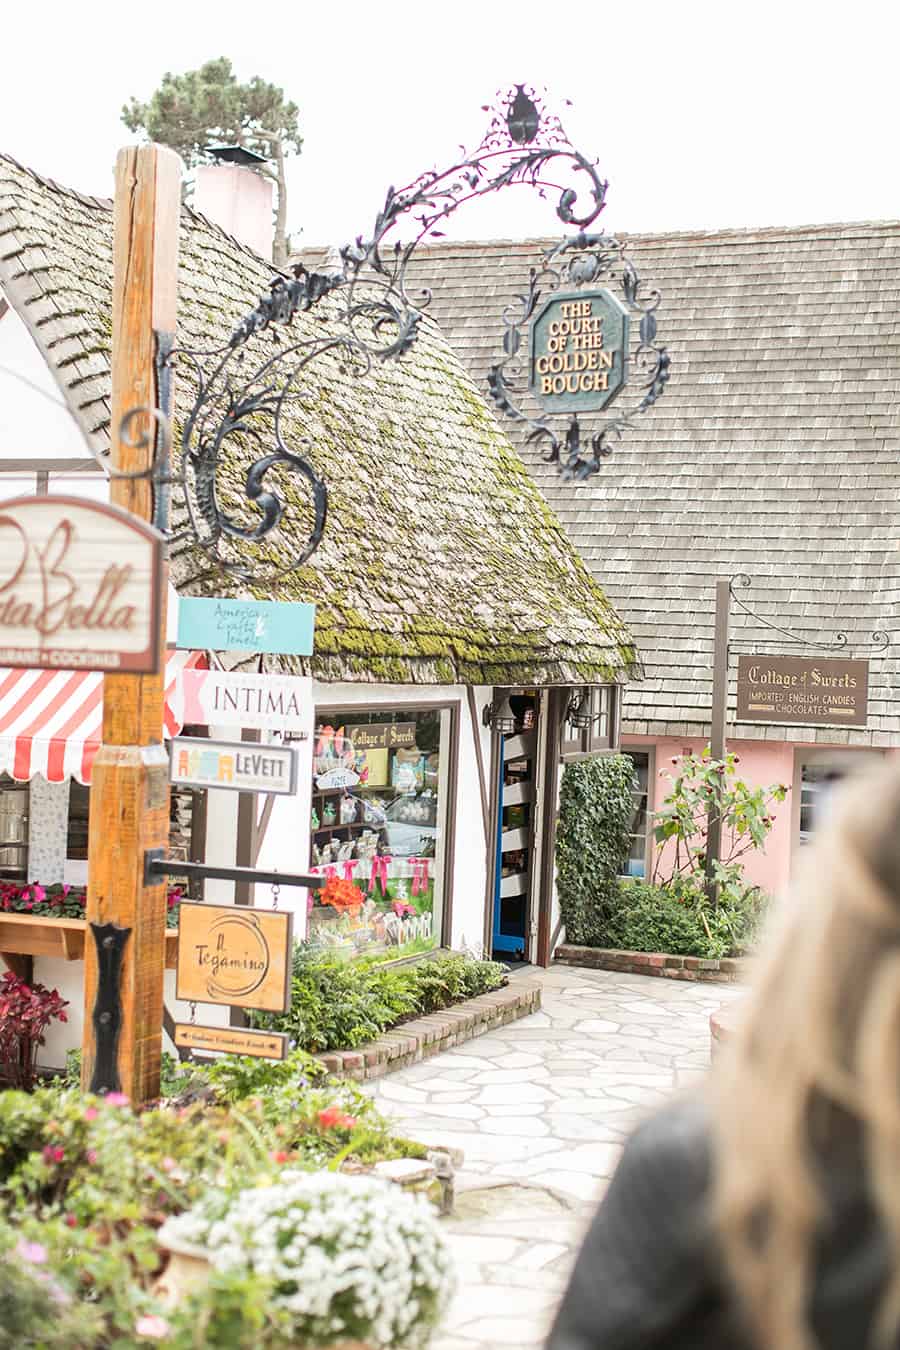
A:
(375, 829)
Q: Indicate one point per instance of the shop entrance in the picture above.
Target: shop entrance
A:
(514, 839)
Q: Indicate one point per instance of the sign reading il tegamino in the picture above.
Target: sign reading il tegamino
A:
(579, 350)
(800, 690)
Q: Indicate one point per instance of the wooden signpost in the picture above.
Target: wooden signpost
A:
(125, 948)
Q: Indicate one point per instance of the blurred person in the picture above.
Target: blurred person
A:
(762, 1212)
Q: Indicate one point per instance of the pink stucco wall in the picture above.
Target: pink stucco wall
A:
(760, 763)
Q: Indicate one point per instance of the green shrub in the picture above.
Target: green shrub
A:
(595, 813)
(648, 918)
(338, 1004)
(37, 1311)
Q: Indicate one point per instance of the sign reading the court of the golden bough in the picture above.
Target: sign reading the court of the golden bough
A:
(579, 351)
(80, 586)
(828, 692)
(234, 955)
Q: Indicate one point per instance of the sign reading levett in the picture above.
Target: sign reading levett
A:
(275, 626)
(79, 586)
(828, 692)
(236, 956)
(579, 349)
(240, 765)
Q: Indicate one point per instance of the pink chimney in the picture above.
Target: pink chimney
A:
(237, 197)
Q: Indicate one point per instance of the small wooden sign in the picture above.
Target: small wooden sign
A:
(802, 690)
(80, 586)
(279, 626)
(234, 955)
(232, 1040)
(242, 766)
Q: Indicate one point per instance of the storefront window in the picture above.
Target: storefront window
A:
(379, 816)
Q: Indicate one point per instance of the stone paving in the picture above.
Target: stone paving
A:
(540, 1109)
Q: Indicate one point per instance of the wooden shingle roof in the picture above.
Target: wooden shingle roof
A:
(775, 452)
(441, 562)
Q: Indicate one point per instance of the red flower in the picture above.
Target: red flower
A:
(334, 1118)
(279, 1156)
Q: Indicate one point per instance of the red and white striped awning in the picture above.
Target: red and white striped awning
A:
(50, 720)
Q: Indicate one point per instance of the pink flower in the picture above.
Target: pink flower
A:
(91, 1156)
(32, 1252)
(168, 1164)
(53, 1153)
(153, 1327)
(38, 892)
(117, 1099)
(91, 1113)
(279, 1156)
(71, 1221)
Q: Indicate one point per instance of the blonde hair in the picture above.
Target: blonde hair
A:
(818, 1044)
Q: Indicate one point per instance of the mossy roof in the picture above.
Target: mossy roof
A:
(440, 563)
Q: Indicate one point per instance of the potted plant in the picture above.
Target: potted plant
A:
(349, 1262)
(26, 1010)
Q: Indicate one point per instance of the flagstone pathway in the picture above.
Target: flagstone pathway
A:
(540, 1109)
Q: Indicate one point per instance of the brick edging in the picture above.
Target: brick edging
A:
(426, 1036)
(725, 970)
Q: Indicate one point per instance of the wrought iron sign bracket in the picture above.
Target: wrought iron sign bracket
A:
(566, 351)
(878, 641)
(157, 867)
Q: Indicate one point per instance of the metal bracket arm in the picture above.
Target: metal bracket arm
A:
(157, 867)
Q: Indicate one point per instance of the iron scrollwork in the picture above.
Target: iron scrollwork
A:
(243, 395)
(580, 261)
(879, 640)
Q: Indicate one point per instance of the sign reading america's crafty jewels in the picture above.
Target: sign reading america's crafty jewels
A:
(227, 698)
(800, 690)
(579, 351)
(233, 1040)
(80, 586)
(275, 626)
(243, 766)
(235, 955)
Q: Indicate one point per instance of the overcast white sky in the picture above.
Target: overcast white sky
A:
(703, 113)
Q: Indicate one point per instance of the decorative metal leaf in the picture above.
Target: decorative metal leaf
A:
(648, 328)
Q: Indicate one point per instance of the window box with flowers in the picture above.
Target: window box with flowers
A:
(40, 920)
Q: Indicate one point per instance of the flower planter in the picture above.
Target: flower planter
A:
(188, 1269)
(42, 935)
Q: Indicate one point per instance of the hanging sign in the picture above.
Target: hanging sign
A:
(579, 350)
(800, 690)
(228, 698)
(232, 1040)
(80, 586)
(274, 626)
(243, 766)
(234, 955)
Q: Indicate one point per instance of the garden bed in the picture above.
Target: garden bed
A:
(721, 970)
(425, 1036)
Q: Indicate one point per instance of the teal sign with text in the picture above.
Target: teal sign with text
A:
(278, 627)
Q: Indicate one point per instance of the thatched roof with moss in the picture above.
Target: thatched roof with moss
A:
(440, 561)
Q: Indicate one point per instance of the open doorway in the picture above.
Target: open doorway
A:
(514, 873)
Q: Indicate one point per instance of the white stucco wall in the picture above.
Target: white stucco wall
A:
(32, 423)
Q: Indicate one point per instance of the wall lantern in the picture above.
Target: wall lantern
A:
(500, 717)
(578, 714)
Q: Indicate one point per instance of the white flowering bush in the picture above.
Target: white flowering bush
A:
(349, 1258)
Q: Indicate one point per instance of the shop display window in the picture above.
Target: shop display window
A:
(379, 823)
